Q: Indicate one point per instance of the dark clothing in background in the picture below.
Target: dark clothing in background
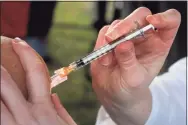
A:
(40, 22)
(180, 43)
(154, 6)
(41, 17)
(101, 7)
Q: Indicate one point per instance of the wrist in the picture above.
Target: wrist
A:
(141, 107)
(134, 110)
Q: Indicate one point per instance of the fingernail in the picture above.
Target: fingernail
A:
(17, 38)
(110, 29)
(54, 94)
(112, 35)
(57, 100)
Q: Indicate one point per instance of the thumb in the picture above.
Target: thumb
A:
(167, 22)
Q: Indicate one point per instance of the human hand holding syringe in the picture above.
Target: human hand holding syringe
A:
(61, 74)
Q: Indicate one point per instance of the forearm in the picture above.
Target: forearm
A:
(168, 100)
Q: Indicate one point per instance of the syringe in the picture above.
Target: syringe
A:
(100, 52)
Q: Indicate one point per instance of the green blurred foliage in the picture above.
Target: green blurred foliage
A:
(67, 45)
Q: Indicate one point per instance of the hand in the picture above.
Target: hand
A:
(121, 78)
(39, 108)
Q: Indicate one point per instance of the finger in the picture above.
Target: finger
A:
(158, 43)
(101, 41)
(100, 38)
(39, 57)
(125, 55)
(98, 66)
(121, 28)
(127, 24)
(111, 27)
(61, 110)
(13, 98)
(36, 74)
(125, 52)
(167, 23)
(107, 59)
(6, 116)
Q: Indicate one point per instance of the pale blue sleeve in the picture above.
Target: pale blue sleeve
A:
(103, 118)
(169, 97)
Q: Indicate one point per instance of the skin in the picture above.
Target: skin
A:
(11, 62)
(120, 79)
(39, 108)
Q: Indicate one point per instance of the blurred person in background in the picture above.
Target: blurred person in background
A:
(154, 6)
(101, 7)
(14, 19)
(101, 10)
(30, 21)
(39, 24)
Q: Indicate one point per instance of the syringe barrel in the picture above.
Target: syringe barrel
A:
(108, 47)
(91, 57)
(97, 54)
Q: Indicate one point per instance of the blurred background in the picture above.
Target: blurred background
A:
(62, 32)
